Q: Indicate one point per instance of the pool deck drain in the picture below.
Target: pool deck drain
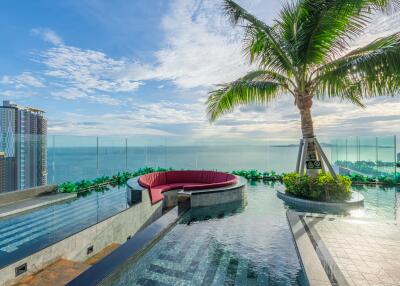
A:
(337, 250)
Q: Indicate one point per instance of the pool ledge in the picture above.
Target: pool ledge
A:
(104, 271)
(356, 200)
(34, 203)
(311, 264)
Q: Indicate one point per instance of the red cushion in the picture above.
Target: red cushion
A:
(160, 182)
(173, 177)
(193, 187)
(167, 187)
(152, 179)
(155, 196)
(210, 177)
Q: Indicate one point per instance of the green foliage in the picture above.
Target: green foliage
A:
(323, 187)
(257, 175)
(100, 184)
(67, 187)
(306, 53)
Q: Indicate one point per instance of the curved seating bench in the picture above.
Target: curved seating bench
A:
(160, 182)
(198, 188)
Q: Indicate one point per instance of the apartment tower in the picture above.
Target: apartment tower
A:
(23, 147)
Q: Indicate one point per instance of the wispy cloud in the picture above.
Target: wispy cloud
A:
(48, 35)
(25, 79)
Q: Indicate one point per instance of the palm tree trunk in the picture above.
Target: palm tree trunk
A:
(307, 127)
(304, 103)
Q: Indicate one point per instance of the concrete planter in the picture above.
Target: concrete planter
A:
(356, 201)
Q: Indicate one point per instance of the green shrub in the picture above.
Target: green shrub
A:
(323, 187)
(67, 187)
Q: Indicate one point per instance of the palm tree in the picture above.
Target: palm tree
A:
(306, 53)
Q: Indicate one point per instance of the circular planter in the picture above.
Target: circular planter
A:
(356, 201)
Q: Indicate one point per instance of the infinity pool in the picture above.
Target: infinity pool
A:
(225, 245)
(235, 244)
(228, 244)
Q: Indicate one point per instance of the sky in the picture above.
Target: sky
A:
(144, 69)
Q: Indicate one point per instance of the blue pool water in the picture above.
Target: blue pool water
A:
(236, 245)
(223, 245)
(28, 233)
(252, 243)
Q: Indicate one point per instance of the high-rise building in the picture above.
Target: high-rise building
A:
(2, 173)
(23, 140)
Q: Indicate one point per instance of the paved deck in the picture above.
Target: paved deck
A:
(34, 203)
(63, 271)
(350, 251)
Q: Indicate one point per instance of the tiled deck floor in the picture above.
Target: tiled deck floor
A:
(58, 273)
(63, 271)
(357, 251)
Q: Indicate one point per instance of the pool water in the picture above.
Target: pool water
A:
(223, 245)
(238, 245)
(27, 233)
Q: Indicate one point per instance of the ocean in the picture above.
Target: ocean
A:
(77, 163)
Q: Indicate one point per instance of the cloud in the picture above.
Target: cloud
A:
(17, 94)
(48, 35)
(69, 93)
(200, 49)
(25, 79)
(86, 74)
(87, 70)
(74, 94)
(103, 125)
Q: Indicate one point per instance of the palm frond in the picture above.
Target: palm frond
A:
(254, 88)
(263, 42)
(375, 67)
(319, 30)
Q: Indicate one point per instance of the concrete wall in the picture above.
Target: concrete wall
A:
(17, 196)
(216, 198)
(113, 230)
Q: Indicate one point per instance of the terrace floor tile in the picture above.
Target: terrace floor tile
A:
(354, 251)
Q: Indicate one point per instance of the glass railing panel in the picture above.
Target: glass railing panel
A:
(386, 155)
(112, 155)
(219, 157)
(136, 154)
(156, 153)
(368, 156)
(178, 156)
(72, 158)
(282, 156)
(111, 200)
(397, 152)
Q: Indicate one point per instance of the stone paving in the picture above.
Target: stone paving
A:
(58, 273)
(356, 251)
(63, 271)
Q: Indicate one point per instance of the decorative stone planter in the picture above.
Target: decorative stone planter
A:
(356, 201)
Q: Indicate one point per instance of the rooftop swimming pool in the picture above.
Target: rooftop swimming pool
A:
(27, 233)
(236, 245)
(228, 244)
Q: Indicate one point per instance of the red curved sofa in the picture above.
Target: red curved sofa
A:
(159, 182)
